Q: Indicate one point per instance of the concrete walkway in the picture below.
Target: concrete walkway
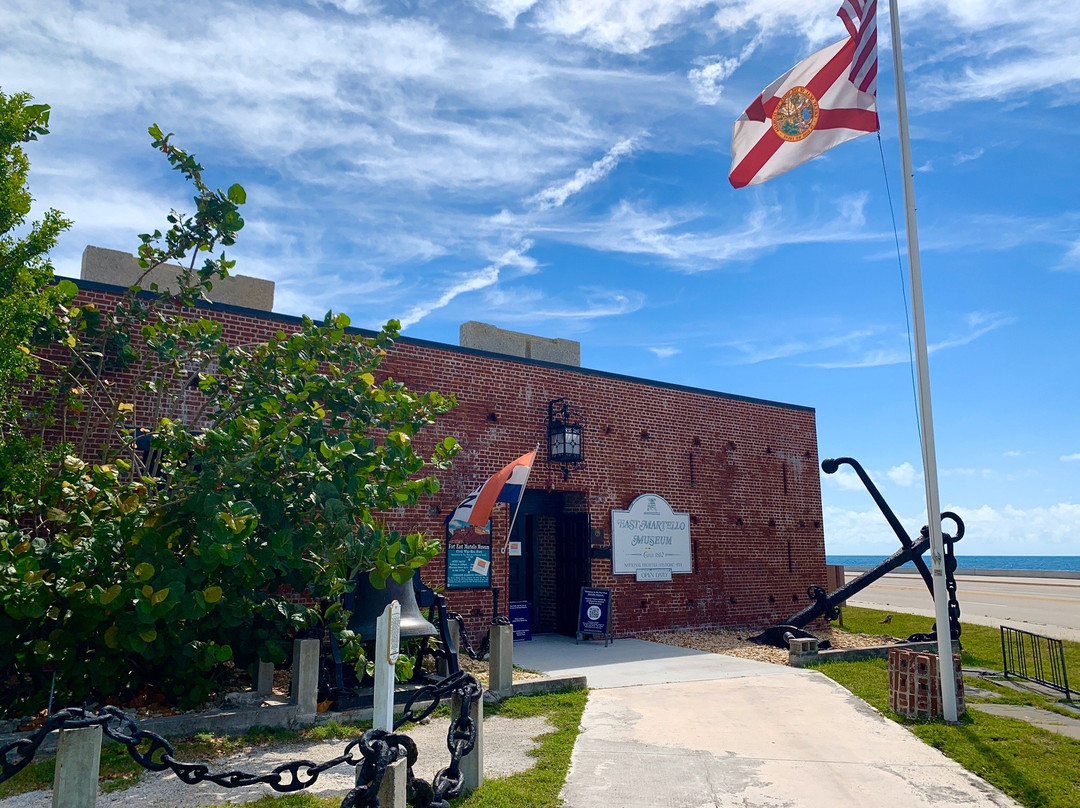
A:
(669, 726)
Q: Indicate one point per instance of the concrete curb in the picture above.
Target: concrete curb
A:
(855, 654)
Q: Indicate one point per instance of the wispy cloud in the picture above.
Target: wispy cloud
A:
(978, 325)
(1070, 458)
(555, 196)
(506, 10)
(708, 78)
(1012, 453)
(488, 276)
(967, 156)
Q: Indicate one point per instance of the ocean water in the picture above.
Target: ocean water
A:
(973, 562)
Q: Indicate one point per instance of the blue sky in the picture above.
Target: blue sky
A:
(560, 167)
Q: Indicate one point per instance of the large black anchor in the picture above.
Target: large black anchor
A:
(826, 604)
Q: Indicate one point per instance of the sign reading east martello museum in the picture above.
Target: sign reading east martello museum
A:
(650, 536)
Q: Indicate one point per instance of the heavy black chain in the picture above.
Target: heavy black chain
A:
(463, 635)
(950, 586)
(377, 749)
(16, 756)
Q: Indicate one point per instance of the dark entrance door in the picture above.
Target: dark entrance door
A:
(571, 568)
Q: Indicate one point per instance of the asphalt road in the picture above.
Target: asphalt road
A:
(1049, 606)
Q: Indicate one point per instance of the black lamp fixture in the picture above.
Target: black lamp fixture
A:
(564, 435)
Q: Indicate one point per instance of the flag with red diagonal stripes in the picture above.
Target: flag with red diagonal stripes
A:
(809, 109)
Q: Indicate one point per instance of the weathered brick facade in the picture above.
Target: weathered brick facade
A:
(745, 470)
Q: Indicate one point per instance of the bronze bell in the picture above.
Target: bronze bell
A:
(366, 604)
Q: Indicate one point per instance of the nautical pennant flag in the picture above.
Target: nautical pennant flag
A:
(814, 106)
(507, 485)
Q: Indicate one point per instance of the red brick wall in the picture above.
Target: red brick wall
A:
(753, 493)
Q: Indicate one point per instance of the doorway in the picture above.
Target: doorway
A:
(554, 562)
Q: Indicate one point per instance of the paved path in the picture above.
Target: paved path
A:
(1049, 606)
(674, 727)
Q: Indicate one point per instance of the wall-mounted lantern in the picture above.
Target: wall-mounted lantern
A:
(564, 435)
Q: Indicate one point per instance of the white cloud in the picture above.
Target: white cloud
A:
(664, 352)
(844, 479)
(621, 26)
(968, 156)
(904, 475)
(1013, 453)
(506, 10)
(1070, 458)
(1041, 530)
(978, 324)
(555, 196)
(481, 279)
(708, 79)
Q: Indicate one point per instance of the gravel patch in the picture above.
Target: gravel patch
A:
(733, 642)
(514, 738)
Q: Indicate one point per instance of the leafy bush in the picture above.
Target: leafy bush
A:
(230, 477)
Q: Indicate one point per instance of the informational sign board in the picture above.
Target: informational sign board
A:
(521, 620)
(594, 614)
(650, 536)
(468, 560)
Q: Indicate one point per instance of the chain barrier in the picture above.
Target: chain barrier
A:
(463, 635)
(372, 752)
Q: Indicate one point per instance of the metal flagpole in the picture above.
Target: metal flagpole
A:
(926, 418)
(513, 519)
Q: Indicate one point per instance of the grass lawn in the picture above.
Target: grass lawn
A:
(1037, 768)
(536, 788)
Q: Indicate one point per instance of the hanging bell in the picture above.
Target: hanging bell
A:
(366, 604)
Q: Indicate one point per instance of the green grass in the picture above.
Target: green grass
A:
(982, 644)
(536, 788)
(1037, 768)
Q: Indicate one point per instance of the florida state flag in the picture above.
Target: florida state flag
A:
(807, 111)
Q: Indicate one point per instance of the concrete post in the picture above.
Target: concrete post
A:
(394, 787)
(802, 651)
(305, 676)
(264, 680)
(78, 759)
(472, 765)
(501, 661)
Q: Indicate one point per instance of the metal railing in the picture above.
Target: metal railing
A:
(1035, 658)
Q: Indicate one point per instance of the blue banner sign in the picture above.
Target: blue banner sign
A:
(468, 565)
(521, 620)
(594, 614)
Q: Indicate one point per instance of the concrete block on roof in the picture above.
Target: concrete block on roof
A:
(122, 269)
(485, 337)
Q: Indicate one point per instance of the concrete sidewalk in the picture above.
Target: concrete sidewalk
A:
(674, 727)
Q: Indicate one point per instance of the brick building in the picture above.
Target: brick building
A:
(743, 471)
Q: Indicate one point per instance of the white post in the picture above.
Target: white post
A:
(387, 650)
(933, 506)
(78, 761)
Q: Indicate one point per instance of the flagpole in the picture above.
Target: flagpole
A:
(926, 418)
(513, 519)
